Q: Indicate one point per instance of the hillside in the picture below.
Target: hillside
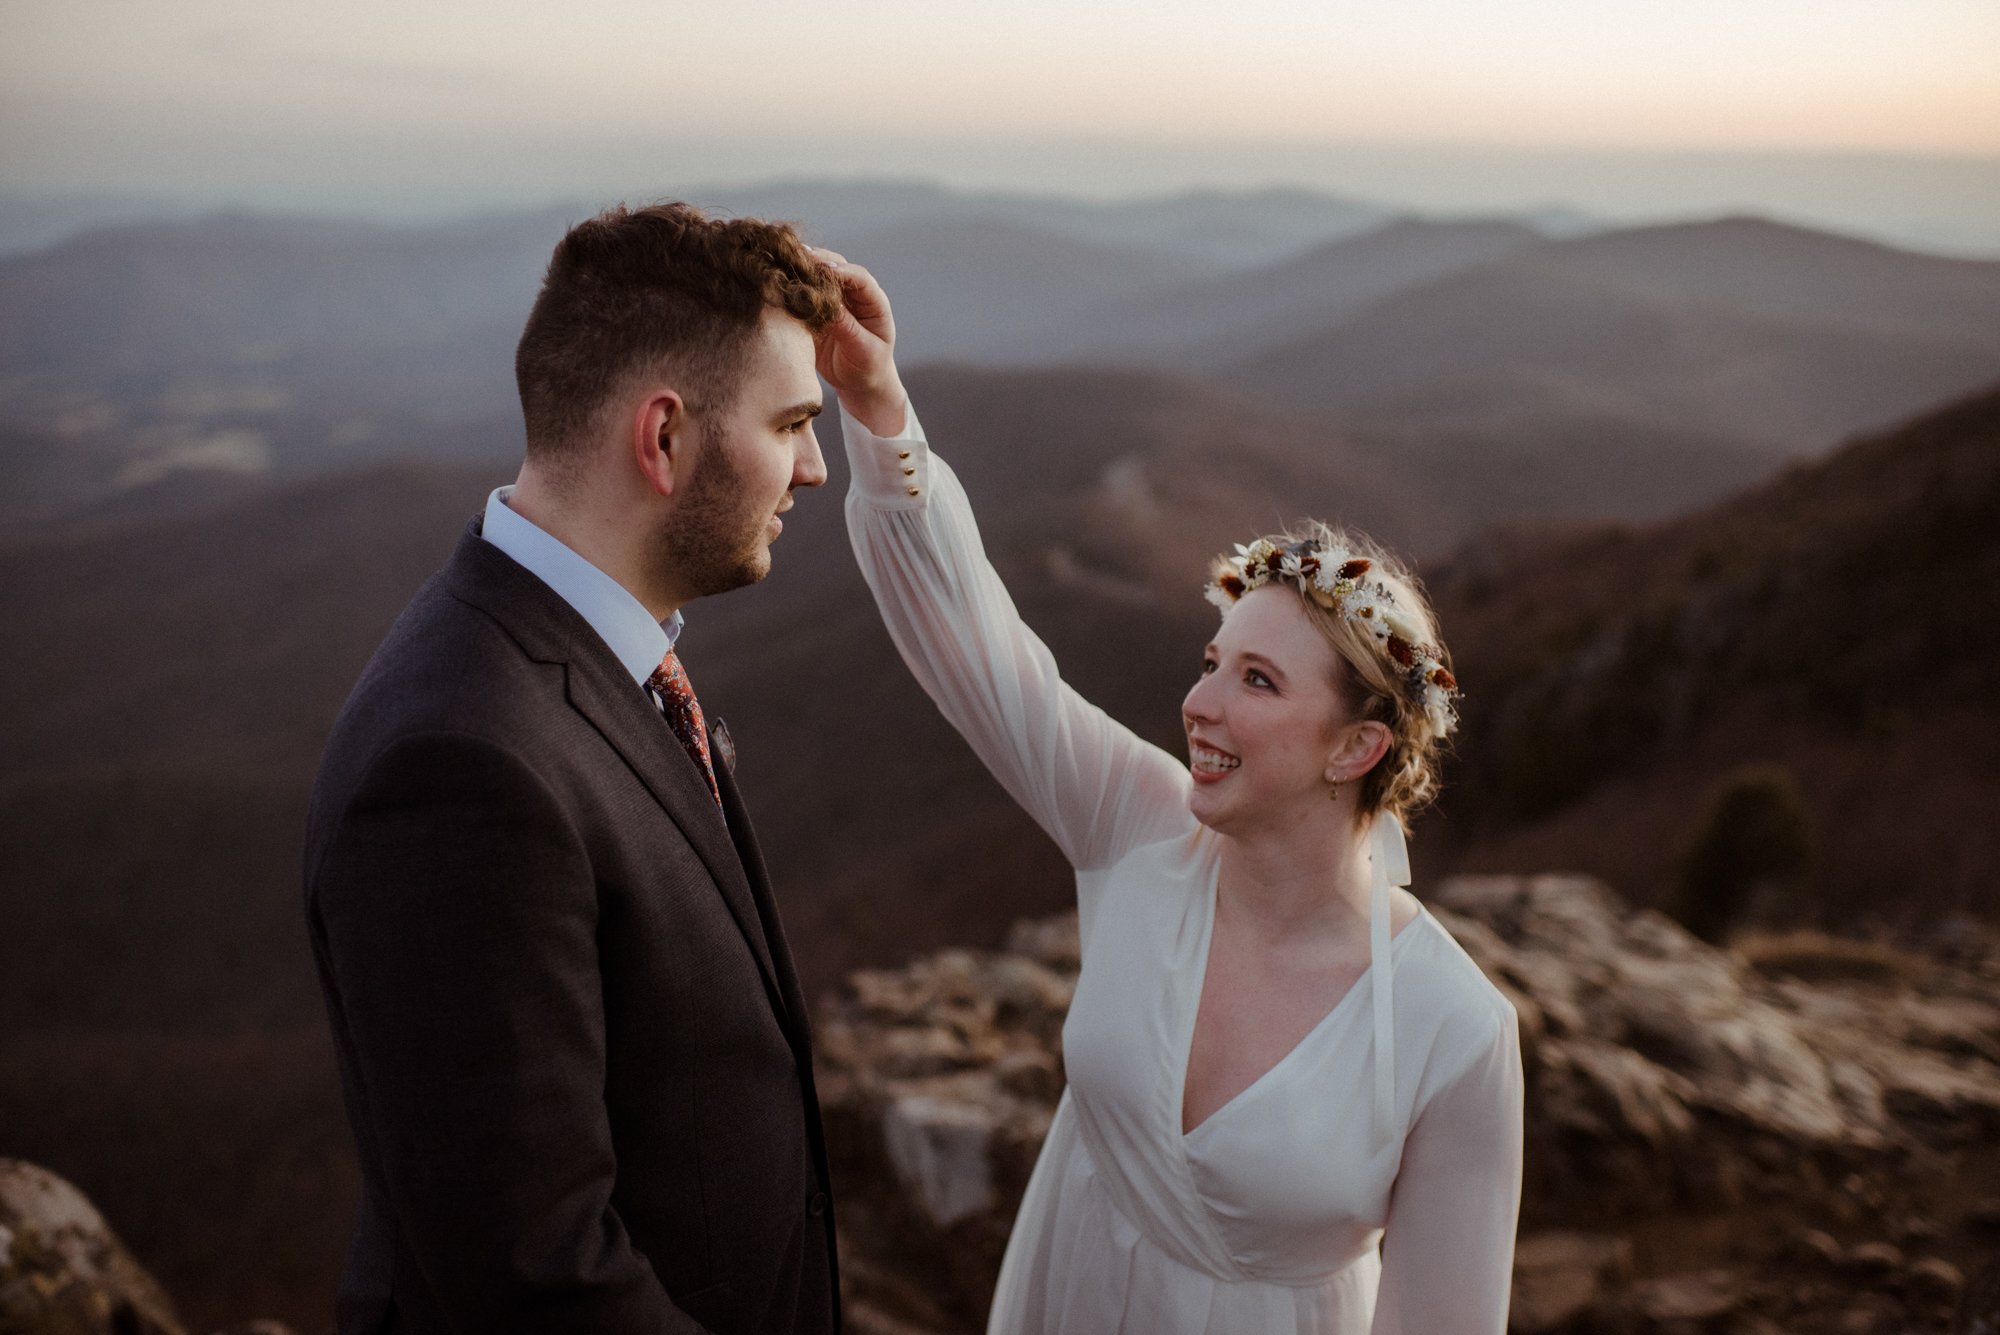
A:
(1841, 620)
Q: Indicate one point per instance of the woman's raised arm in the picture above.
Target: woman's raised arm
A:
(1085, 778)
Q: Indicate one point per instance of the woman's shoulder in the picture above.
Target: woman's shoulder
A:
(1451, 984)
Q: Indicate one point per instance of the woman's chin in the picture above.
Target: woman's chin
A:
(1211, 808)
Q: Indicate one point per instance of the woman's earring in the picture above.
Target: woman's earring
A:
(1333, 789)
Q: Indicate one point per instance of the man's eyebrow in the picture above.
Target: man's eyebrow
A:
(808, 409)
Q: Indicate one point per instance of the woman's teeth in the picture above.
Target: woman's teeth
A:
(1213, 762)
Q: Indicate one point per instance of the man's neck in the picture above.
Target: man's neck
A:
(608, 541)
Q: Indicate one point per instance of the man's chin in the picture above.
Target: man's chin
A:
(752, 569)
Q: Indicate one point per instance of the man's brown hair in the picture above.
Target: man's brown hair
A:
(663, 287)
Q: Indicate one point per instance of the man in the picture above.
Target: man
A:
(572, 1045)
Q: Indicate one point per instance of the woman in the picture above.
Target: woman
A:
(1276, 1059)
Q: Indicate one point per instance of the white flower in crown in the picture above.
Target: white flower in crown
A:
(1365, 605)
(1399, 624)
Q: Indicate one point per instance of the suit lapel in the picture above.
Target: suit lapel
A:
(620, 711)
(598, 687)
(752, 861)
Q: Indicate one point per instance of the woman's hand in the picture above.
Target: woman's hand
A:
(856, 354)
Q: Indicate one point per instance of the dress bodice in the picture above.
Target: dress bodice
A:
(1281, 1183)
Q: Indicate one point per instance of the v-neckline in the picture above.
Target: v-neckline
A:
(1212, 896)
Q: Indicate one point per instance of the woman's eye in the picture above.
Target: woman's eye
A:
(1207, 666)
(1256, 678)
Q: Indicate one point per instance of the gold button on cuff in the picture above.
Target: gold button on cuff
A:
(902, 454)
(909, 471)
(914, 491)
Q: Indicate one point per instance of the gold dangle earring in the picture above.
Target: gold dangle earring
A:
(1333, 789)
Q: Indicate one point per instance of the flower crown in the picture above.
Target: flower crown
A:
(1332, 578)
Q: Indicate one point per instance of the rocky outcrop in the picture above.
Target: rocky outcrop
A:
(64, 1272)
(938, 1082)
(1664, 1069)
(1794, 1134)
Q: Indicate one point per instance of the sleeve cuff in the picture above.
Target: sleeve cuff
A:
(892, 473)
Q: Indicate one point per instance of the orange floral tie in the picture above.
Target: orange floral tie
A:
(669, 684)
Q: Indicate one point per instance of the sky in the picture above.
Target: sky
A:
(1851, 108)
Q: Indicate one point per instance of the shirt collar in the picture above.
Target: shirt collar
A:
(622, 621)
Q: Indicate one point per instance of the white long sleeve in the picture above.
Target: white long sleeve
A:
(1448, 1243)
(1085, 778)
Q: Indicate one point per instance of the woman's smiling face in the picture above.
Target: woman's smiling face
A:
(1266, 726)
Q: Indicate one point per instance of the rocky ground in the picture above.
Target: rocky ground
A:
(1793, 1134)
(64, 1272)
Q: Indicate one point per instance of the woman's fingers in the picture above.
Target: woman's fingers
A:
(861, 293)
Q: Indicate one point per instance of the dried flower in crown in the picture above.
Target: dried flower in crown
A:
(1334, 579)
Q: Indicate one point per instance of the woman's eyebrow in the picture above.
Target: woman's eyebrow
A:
(1249, 656)
(1253, 657)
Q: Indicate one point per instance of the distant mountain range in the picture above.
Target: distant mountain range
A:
(1495, 371)
(240, 345)
(1202, 323)
(1211, 229)
(1774, 336)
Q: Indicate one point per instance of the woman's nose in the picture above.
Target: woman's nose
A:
(1195, 707)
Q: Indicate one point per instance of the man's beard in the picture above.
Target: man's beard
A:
(712, 544)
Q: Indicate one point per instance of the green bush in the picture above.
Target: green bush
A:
(1752, 859)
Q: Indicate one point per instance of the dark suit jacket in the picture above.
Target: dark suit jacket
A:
(572, 1045)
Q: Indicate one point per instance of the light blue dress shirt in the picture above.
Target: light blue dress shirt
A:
(621, 620)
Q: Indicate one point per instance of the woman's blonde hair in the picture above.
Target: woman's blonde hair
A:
(1372, 682)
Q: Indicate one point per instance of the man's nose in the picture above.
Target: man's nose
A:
(810, 468)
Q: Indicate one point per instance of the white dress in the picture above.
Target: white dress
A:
(1335, 1194)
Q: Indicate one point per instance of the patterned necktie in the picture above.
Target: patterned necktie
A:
(669, 683)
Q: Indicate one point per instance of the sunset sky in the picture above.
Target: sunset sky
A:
(425, 103)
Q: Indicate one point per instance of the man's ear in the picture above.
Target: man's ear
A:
(661, 435)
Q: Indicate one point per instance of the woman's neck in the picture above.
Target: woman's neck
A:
(1311, 877)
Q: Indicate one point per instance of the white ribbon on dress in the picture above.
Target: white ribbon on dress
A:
(1390, 854)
